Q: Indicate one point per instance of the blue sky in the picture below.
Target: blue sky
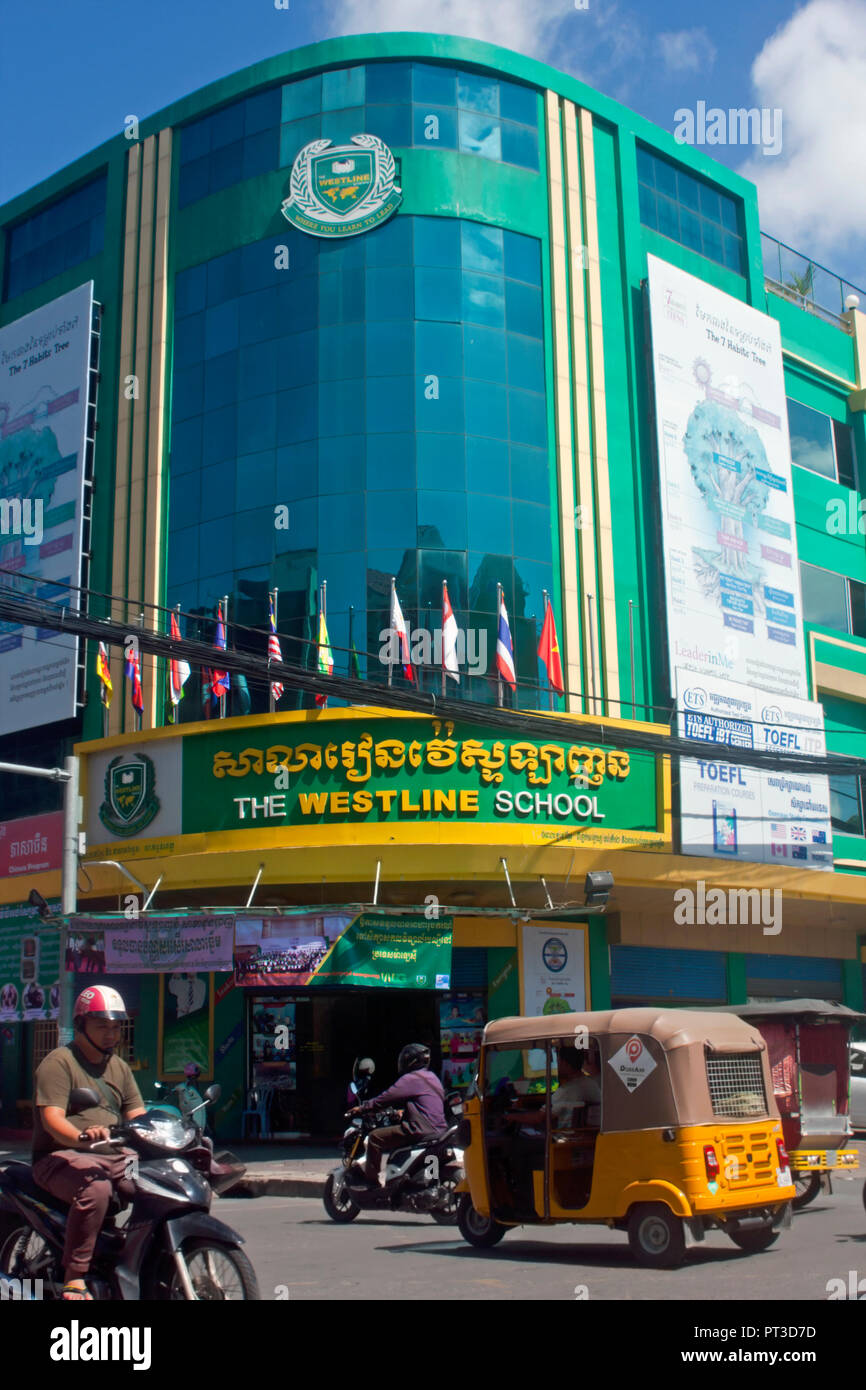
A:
(70, 73)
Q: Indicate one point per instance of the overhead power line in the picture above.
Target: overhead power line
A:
(29, 611)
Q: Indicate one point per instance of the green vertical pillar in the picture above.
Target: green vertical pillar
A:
(599, 964)
(735, 969)
(503, 982)
(852, 979)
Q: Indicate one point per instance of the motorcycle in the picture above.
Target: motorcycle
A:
(422, 1177)
(168, 1248)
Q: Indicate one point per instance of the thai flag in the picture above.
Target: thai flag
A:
(221, 680)
(274, 651)
(505, 647)
(133, 673)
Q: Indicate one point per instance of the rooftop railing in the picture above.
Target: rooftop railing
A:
(806, 283)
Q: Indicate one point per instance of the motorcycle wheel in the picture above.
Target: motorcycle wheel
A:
(807, 1186)
(24, 1254)
(219, 1273)
(342, 1210)
(447, 1216)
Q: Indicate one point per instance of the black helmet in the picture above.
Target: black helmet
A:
(413, 1057)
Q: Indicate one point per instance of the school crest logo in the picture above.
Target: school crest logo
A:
(340, 190)
(130, 798)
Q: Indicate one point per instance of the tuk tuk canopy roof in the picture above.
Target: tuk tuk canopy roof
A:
(671, 1028)
(792, 1008)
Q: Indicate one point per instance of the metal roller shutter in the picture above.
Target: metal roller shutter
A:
(649, 974)
(469, 967)
(793, 977)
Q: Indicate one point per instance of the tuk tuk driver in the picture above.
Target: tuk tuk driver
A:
(578, 1085)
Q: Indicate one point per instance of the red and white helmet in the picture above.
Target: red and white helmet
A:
(100, 1001)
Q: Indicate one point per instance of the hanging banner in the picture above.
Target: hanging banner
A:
(31, 845)
(553, 970)
(370, 949)
(163, 944)
(29, 958)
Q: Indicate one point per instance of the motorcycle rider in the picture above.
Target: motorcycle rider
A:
(190, 1103)
(84, 1180)
(420, 1093)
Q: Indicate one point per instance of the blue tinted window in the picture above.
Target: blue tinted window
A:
(441, 462)
(690, 230)
(220, 381)
(218, 491)
(389, 82)
(341, 465)
(262, 112)
(185, 446)
(390, 460)
(523, 309)
(437, 241)
(489, 524)
(259, 154)
(195, 140)
(298, 307)
(390, 405)
(487, 410)
(297, 358)
(648, 207)
(341, 253)
(341, 407)
(518, 103)
(389, 348)
(183, 554)
(389, 293)
(390, 517)
(730, 220)
(480, 135)
(525, 363)
(342, 88)
(297, 472)
(439, 348)
(435, 126)
(341, 351)
(437, 85)
(485, 353)
(390, 244)
(487, 466)
(528, 418)
(187, 392)
(258, 316)
(56, 239)
(253, 537)
(484, 300)
(340, 126)
(392, 124)
(255, 481)
(221, 329)
(227, 125)
(340, 528)
(443, 517)
(529, 478)
(437, 293)
(531, 530)
(297, 415)
(519, 146)
(257, 424)
(297, 134)
(223, 278)
(302, 98)
(341, 296)
(685, 208)
(482, 247)
(194, 181)
(439, 403)
(185, 499)
(257, 370)
(189, 340)
(712, 241)
(219, 435)
(477, 92)
(226, 166)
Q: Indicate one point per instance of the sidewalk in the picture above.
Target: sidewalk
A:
(273, 1169)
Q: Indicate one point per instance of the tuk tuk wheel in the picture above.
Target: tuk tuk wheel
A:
(656, 1236)
(807, 1186)
(755, 1241)
(478, 1230)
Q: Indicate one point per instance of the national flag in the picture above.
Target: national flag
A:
(104, 675)
(548, 651)
(799, 852)
(449, 637)
(220, 680)
(133, 674)
(354, 658)
(398, 626)
(819, 837)
(274, 651)
(326, 657)
(505, 647)
(178, 669)
(798, 832)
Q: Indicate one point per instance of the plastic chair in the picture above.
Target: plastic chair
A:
(253, 1112)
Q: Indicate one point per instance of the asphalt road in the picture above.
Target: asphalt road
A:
(299, 1255)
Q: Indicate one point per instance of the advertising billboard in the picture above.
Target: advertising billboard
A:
(731, 811)
(44, 362)
(734, 609)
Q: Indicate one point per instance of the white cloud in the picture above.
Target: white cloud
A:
(813, 195)
(687, 50)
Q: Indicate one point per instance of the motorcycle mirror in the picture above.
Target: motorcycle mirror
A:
(81, 1098)
(213, 1093)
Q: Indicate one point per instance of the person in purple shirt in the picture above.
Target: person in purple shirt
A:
(421, 1096)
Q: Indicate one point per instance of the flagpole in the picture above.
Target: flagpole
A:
(498, 668)
(391, 626)
(104, 706)
(272, 704)
(226, 636)
(325, 617)
(442, 642)
(139, 713)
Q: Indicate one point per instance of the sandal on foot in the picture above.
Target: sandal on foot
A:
(76, 1291)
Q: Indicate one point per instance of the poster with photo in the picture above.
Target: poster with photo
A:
(461, 1025)
(185, 1023)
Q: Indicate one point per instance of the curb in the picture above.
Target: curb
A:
(271, 1185)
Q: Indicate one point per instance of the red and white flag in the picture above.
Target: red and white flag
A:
(449, 637)
(398, 626)
(178, 668)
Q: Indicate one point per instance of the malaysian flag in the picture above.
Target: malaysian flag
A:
(274, 653)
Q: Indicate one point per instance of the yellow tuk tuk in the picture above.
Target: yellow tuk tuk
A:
(658, 1122)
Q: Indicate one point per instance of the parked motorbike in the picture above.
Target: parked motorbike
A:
(422, 1177)
(168, 1248)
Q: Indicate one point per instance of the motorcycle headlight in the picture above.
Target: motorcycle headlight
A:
(164, 1131)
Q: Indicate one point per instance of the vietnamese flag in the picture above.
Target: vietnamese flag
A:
(548, 650)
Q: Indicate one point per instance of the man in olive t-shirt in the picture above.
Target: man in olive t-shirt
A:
(68, 1171)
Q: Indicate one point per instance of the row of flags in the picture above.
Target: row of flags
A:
(218, 681)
